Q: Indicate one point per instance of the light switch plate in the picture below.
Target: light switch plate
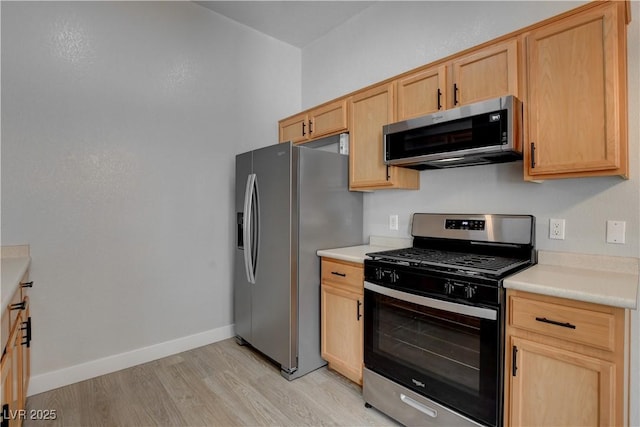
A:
(616, 231)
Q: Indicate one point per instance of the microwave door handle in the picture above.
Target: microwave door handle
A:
(247, 225)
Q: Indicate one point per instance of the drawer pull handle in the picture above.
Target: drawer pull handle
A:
(26, 326)
(27, 284)
(19, 306)
(339, 274)
(553, 322)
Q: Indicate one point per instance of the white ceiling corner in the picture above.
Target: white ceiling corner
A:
(297, 23)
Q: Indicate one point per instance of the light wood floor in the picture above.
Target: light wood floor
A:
(222, 384)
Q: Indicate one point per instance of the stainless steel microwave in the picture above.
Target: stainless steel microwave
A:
(485, 132)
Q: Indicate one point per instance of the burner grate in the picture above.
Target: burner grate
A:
(488, 264)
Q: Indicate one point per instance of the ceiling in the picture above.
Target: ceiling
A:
(294, 22)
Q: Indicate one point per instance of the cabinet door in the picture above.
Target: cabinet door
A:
(487, 73)
(342, 334)
(6, 369)
(25, 334)
(328, 119)
(577, 102)
(368, 112)
(555, 387)
(422, 93)
(294, 129)
(12, 395)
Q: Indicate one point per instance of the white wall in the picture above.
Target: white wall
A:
(389, 38)
(120, 125)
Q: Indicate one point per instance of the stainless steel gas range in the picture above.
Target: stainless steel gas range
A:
(434, 318)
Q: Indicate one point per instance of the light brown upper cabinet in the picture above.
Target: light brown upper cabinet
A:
(576, 114)
(487, 73)
(294, 128)
(569, 71)
(369, 110)
(327, 119)
(484, 73)
(421, 93)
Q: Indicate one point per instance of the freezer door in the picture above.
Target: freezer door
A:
(241, 287)
(274, 309)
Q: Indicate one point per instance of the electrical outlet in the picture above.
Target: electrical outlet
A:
(556, 229)
(615, 231)
(393, 222)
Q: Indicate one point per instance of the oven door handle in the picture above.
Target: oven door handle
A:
(469, 310)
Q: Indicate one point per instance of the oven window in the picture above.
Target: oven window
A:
(445, 344)
(449, 357)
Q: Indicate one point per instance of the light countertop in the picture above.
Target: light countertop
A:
(358, 253)
(612, 281)
(13, 264)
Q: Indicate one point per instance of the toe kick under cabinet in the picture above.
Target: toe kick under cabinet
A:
(342, 289)
(565, 362)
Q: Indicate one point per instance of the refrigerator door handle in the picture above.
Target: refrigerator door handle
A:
(247, 227)
(255, 228)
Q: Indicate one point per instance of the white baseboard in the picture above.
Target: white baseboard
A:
(84, 371)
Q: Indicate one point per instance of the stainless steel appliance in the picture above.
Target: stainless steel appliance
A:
(290, 202)
(485, 132)
(434, 318)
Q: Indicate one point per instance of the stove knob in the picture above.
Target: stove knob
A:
(448, 288)
(378, 273)
(470, 291)
(394, 277)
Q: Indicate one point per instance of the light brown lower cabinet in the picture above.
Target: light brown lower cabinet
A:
(342, 290)
(15, 362)
(565, 362)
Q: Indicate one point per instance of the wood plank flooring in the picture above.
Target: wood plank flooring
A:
(221, 384)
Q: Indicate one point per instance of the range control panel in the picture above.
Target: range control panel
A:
(465, 224)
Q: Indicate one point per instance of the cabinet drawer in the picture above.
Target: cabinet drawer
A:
(578, 325)
(343, 273)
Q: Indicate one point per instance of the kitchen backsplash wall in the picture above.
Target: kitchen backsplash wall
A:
(120, 126)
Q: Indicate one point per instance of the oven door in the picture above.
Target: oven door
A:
(448, 352)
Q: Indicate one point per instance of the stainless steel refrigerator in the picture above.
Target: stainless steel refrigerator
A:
(290, 202)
